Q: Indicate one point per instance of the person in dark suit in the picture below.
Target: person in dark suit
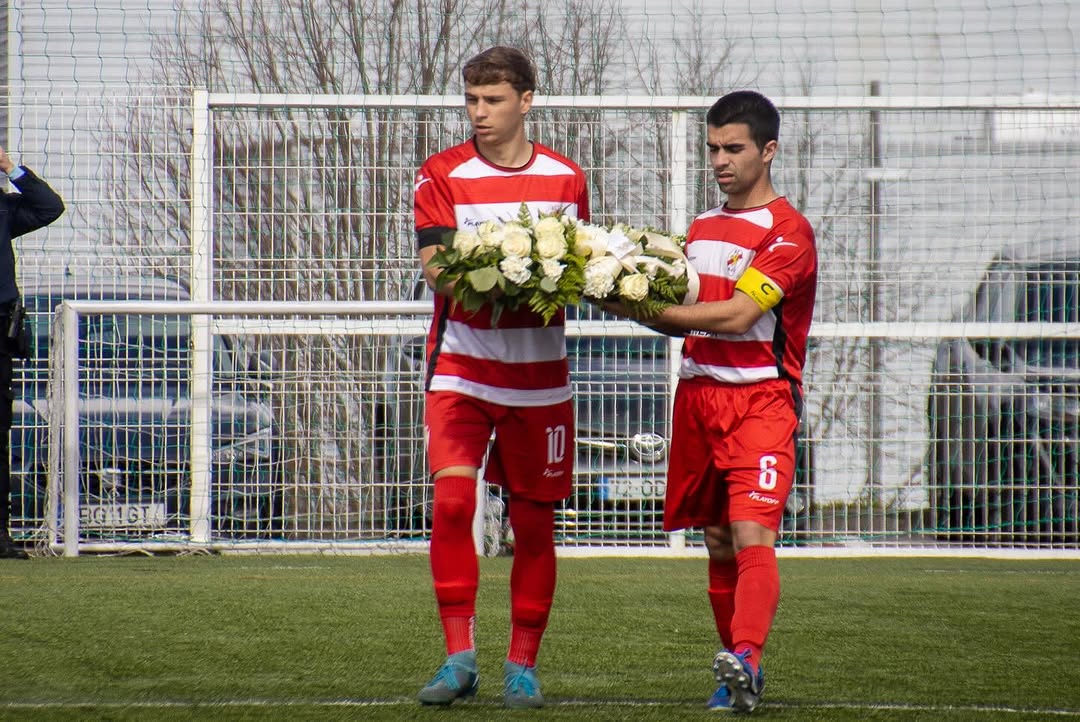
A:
(35, 206)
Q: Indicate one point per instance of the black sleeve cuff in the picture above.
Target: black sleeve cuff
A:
(434, 236)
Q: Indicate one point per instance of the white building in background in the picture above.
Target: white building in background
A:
(59, 56)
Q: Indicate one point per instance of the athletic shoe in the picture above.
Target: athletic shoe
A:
(744, 683)
(521, 688)
(458, 678)
(720, 700)
(9, 549)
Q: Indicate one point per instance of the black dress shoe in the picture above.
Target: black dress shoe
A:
(9, 549)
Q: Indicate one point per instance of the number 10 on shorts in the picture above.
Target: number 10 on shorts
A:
(556, 444)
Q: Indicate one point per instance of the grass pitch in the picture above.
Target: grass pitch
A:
(331, 637)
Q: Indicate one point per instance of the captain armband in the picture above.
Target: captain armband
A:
(759, 287)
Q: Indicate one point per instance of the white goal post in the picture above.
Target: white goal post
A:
(66, 397)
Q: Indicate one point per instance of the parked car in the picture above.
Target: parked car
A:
(1003, 463)
(134, 421)
(621, 403)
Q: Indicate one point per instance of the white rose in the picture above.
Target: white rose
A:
(490, 234)
(550, 241)
(516, 241)
(516, 269)
(634, 286)
(548, 227)
(550, 248)
(466, 242)
(600, 275)
(552, 268)
(590, 241)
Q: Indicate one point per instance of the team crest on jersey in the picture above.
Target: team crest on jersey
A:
(733, 260)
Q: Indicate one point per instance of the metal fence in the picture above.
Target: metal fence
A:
(941, 386)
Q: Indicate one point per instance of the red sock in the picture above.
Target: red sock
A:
(454, 569)
(532, 578)
(723, 576)
(756, 599)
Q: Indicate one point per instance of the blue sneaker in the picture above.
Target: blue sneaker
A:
(521, 688)
(720, 700)
(458, 678)
(743, 682)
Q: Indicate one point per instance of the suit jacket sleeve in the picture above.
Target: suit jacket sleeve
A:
(35, 206)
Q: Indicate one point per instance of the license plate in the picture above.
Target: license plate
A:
(632, 489)
(128, 516)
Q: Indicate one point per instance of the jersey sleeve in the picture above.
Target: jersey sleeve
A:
(787, 258)
(433, 206)
(583, 198)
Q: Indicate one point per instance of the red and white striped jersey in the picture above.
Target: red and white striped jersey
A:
(775, 244)
(520, 361)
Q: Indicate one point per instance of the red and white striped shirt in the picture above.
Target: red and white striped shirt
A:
(520, 361)
(776, 244)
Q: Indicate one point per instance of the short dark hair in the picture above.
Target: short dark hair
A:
(498, 64)
(751, 108)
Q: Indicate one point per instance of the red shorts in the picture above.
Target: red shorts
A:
(533, 453)
(732, 454)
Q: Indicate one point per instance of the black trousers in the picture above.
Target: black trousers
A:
(9, 348)
(7, 397)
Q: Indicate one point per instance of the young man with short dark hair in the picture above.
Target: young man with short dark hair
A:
(739, 396)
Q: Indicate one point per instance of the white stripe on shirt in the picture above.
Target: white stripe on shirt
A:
(510, 345)
(472, 215)
(727, 374)
(500, 395)
(542, 165)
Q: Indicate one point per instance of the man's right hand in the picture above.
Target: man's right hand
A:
(5, 162)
